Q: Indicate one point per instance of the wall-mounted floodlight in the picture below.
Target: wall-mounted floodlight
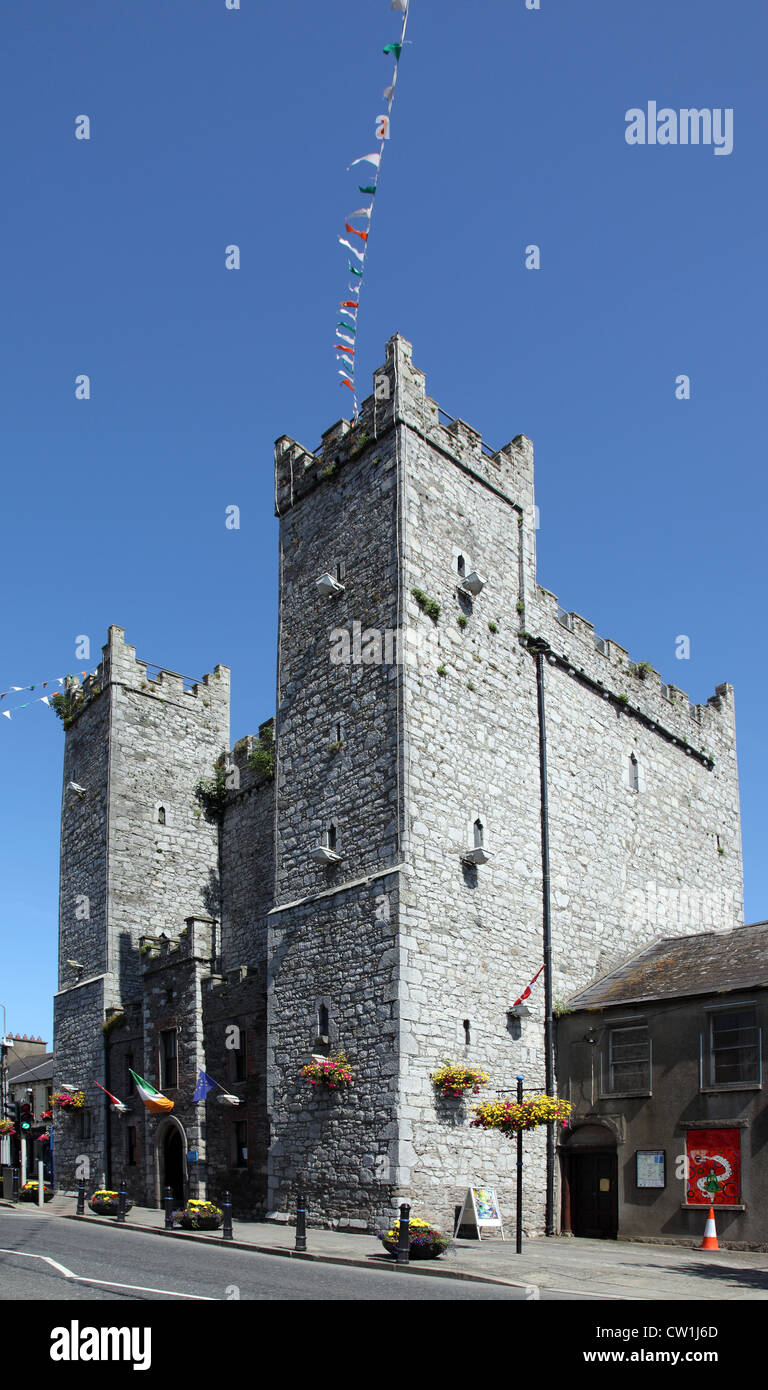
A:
(476, 855)
(323, 855)
(329, 586)
(473, 582)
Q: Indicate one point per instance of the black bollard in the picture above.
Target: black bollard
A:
(80, 1199)
(226, 1206)
(301, 1218)
(404, 1240)
(168, 1204)
(15, 1184)
(122, 1198)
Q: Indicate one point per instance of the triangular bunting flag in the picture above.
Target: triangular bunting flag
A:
(371, 158)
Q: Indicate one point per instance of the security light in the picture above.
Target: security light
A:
(473, 582)
(329, 586)
(323, 855)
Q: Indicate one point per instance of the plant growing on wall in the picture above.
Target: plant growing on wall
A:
(68, 704)
(510, 1117)
(261, 759)
(428, 605)
(211, 792)
(332, 1073)
(7, 1127)
(454, 1078)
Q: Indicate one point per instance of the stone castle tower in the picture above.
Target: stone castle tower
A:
(467, 782)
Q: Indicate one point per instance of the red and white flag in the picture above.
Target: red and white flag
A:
(526, 994)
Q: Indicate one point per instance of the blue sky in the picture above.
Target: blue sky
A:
(212, 127)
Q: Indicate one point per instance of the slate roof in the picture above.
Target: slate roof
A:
(31, 1069)
(702, 963)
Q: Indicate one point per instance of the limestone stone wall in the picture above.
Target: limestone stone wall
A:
(138, 855)
(247, 862)
(339, 952)
(237, 1000)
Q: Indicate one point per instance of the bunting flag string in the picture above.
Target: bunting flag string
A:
(382, 134)
(39, 699)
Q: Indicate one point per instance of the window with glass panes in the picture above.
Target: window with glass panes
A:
(629, 1058)
(734, 1047)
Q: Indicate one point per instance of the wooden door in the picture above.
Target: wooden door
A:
(594, 1194)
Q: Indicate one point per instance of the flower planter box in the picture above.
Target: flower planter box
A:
(426, 1242)
(454, 1079)
(199, 1216)
(106, 1203)
(29, 1192)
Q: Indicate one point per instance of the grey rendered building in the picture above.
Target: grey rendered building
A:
(664, 1061)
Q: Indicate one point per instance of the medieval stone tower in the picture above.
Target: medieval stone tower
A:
(468, 782)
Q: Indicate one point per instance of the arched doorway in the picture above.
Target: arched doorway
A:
(590, 1183)
(171, 1161)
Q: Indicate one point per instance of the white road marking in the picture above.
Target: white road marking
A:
(106, 1283)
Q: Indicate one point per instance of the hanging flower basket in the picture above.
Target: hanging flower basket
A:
(454, 1079)
(7, 1127)
(199, 1216)
(46, 1114)
(28, 1193)
(426, 1242)
(68, 1100)
(44, 1138)
(510, 1117)
(105, 1202)
(331, 1073)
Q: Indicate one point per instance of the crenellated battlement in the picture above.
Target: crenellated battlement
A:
(399, 396)
(120, 665)
(633, 684)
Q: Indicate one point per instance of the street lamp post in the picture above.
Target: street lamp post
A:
(519, 1193)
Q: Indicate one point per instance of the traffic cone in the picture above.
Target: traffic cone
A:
(710, 1233)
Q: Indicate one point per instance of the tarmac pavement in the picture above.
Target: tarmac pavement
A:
(599, 1269)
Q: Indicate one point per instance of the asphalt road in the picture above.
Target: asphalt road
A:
(39, 1255)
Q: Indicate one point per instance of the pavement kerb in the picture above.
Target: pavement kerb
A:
(370, 1263)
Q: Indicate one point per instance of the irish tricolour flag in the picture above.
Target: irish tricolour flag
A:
(156, 1103)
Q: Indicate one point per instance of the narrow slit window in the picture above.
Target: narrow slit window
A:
(322, 1021)
(467, 1033)
(634, 773)
(161, 815)
(331, 837)
(479, 832)
(461, 566)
